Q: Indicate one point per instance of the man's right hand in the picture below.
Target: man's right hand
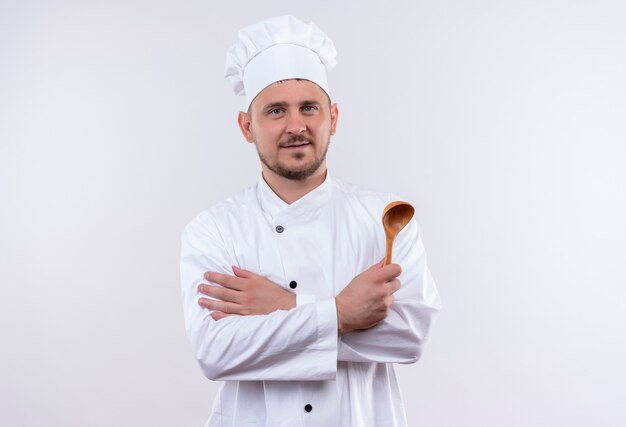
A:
(366, 300)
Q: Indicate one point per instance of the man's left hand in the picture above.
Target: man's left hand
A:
(245, 293)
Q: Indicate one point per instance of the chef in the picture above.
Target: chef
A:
(286, 300)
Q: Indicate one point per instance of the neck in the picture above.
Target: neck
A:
(291, 190)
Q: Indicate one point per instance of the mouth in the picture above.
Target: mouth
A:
(295, 141)
(295, 146)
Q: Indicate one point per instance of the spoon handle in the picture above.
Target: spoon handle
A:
(388, 251)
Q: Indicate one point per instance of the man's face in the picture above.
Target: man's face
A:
(291, 123)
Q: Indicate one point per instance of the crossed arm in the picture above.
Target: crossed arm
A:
(287, 343)
(363, 303)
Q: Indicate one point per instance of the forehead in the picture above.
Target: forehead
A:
(290, 91)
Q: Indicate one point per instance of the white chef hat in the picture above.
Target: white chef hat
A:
(278, 49)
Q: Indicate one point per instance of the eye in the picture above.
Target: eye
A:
(275, 111)
(309, 108)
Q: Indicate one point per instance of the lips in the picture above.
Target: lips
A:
(300, 144)
(295, 141)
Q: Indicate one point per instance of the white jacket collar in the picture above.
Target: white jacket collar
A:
(274, 205)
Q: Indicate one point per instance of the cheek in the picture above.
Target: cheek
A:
(267, 141)
(325, 129)
(269, 131)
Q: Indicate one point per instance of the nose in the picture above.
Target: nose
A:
(295, 124)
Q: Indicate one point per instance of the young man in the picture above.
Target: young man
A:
(286, 299)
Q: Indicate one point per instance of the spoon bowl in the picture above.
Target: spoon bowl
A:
(395, 217)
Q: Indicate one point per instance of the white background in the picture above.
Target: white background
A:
(503, 122)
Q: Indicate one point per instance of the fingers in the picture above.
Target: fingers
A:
(393, 285)
(229, 281)
(385, 272)
(218, 315)
(221, 306)
(225, 280)
(223, 294)
(376, 266)
(245, 274)
(388, 302)
(389, 272)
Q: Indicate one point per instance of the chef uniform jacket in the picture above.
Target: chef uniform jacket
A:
(289, 368)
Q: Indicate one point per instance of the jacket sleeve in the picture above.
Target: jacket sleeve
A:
(400, 337)
(299, 344)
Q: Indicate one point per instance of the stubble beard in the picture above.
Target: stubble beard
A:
(295, 174)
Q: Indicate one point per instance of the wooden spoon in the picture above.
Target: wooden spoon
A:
(395, 216)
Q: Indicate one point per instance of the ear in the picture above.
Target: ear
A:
(245, 125)
(334, 115)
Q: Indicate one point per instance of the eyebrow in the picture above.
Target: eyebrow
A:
(286, 104)
(275, 105)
